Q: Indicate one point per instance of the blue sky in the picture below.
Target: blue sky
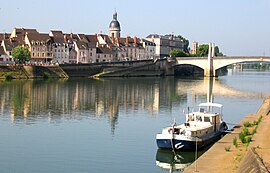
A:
(238, 27)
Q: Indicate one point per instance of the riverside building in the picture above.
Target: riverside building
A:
(62, 48)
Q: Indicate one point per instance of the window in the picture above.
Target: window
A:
(38, 54)
(38, 49)
(206, 119)
(33, 49)
(43, 55)
(33, 54)
(91, 54)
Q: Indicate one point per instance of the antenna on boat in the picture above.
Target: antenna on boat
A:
(174, 122)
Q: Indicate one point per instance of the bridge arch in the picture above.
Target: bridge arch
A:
(200, 62)
(220, 62)
(212, 64)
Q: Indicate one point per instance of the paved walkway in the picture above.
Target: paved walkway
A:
(217, 160)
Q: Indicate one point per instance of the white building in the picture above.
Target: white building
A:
(166, 43)
(3, 56)
(60, 47)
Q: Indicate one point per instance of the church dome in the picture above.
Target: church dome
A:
(114, 23)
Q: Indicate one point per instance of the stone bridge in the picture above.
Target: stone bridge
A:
(211, 63)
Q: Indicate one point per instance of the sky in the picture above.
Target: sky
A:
(237, 27)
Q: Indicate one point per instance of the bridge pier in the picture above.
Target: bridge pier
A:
(209, 70)
(209, 73)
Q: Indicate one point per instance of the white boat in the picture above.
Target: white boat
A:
(201, 128)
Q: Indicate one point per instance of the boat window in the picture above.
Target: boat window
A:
(201, 109)
(198, 118)
(190, 118)
(206, 119)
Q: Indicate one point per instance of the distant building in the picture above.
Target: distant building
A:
(92, 45)
(9, 44)
(104, 54)
(60, 47)
(166, 43)
(195, 46)
(21, 32)
(150, 49)
(40, 47)
(3, 56)
(114, 27)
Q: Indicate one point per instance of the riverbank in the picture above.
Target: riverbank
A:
(159, 67)
(224, 156)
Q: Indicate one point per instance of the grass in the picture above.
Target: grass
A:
(248, 124)
(8, 75)
(235, 143)
(245, 136)
(228, 148)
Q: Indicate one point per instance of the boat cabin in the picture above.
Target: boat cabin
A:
(208, 112)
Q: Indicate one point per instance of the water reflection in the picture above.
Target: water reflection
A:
(175, 161)
(54, 99)
(78, 98)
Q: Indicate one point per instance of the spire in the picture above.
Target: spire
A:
(115, 15)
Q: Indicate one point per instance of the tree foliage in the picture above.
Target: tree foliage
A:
(178, 53)
(185, 41)
(20, 54)
(203, 50)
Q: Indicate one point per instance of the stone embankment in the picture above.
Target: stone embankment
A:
(225, 157)
(103, 69)
(31, 72)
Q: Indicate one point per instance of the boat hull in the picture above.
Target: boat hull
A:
(182, 144)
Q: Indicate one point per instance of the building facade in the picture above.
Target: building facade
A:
(165, 44)
(59, 47)
(40, 47)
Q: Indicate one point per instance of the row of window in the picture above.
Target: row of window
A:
(38, 54)
(38, 49)
(55, 50)
(37, 43)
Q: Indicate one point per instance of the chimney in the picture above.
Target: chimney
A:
(65, 37)
(135, 40)
(127, 39)
(5, 36)
(71, 35)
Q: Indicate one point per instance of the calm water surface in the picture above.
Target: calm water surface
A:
(109, 125)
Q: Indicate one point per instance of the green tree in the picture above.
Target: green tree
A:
(203, 50)
(185, 41)
(178, 53)
(20, 54)
(217, 53)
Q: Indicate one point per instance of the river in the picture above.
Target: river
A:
(109, 125)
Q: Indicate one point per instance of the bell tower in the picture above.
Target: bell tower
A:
(114, 27)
